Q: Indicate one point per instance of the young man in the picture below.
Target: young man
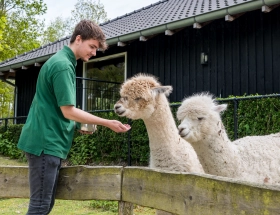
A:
(47, 135)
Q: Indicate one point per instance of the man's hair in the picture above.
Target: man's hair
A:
(88, 29)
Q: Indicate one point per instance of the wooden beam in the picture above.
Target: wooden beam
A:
(196, 194)
(178, 193)
(143, 39)
(37, 64)
(121, 44)
(76, 182)
(230, 18)
(24, 67)
(12, 70)
(198, 25)
(169, 32)
(267, 9)
(6, 76)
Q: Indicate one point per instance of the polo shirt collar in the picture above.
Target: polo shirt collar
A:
(70, 55)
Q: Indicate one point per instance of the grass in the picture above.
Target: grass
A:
(69, 207)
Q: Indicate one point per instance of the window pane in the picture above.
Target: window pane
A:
(104, 78)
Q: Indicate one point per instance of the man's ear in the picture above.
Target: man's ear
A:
(78, 38)
(162, 89)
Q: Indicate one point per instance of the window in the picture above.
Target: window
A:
(102, 80)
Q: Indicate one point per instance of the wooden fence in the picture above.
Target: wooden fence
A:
(178, 193)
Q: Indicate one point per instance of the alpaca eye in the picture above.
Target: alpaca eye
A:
(137, 99)
(124, 98)
(200, 118)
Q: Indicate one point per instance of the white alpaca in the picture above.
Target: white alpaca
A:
(252, 158)
(142, 97)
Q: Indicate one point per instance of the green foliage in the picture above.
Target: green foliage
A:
(19, 32)
(255, 116)
(105, 147)
(83, 149)
(22, 28)
(2, 26)
(8, 141)
(228, 118)
(84, 9)
(89, 9)
(55, 30)
(105, 205)
(260, 120)
(6, 99)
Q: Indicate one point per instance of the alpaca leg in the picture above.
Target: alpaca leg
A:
(158, 212)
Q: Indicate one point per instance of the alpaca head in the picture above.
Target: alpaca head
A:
(139, 96)
(199, 116)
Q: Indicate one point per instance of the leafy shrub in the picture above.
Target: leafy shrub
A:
(109, 148)
(8, 141)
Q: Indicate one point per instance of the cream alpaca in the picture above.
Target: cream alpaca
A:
(252, 158)
(142, 97)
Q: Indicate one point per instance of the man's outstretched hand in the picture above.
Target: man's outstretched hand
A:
(117, 126)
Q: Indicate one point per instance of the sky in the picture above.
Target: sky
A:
(114, 8)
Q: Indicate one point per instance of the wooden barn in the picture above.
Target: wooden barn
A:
(226, 47)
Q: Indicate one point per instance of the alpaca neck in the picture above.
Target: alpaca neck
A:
(218, 155)
(161, 126)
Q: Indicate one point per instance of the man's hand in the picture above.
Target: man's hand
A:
(117, 126)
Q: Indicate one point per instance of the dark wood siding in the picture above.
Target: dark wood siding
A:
(244, 58)
(26, 84)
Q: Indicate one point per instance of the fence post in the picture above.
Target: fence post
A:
(235, 119)
(129, 144)
(125, 208)
(6, 124)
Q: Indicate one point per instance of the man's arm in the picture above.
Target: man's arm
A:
(78, 115)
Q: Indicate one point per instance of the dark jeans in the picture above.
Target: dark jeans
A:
(43, 177)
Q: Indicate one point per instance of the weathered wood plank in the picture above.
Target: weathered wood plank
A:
(177, 193)
(77, 182)
(197, 194)
(90, 182)
(14, 182)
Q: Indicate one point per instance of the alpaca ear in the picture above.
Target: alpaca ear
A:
(220, 108)
(162, 89)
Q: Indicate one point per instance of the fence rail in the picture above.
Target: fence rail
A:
(178, 193)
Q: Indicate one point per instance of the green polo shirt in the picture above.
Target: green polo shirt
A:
(46, 129)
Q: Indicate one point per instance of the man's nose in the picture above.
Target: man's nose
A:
(93, 53)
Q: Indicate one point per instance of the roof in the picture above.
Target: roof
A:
(148, 21)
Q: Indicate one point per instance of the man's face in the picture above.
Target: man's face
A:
(86, 48)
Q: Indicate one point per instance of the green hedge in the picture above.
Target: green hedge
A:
(105, 147)
(109, 148)
(255, 117)
(8, 141)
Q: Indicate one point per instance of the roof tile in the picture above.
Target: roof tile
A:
(153, 15)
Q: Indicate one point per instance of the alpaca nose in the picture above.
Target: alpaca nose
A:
(117, 107)
(180, 130)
